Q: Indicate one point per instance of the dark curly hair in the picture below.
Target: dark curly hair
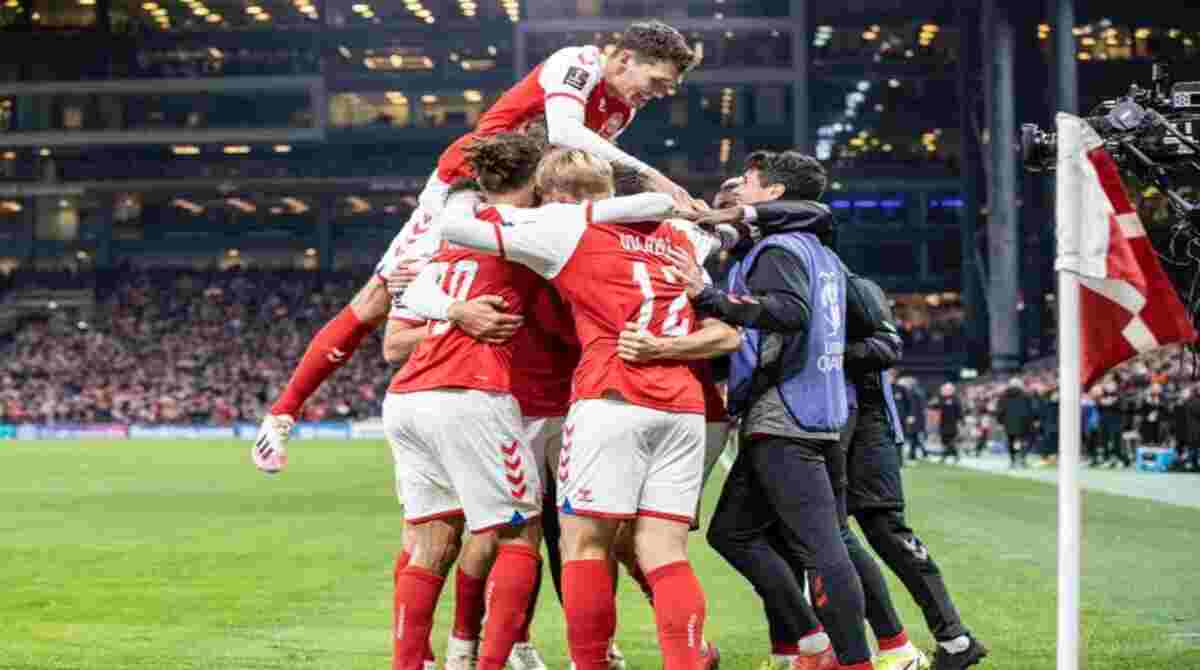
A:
(801, 175)
(656, 41)
(504, 162)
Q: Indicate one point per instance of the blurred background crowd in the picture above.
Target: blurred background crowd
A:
(1152, 401)
(184, 347)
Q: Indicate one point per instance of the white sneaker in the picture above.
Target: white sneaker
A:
(616, 660)
(269, 452)
(525, 656)
(461, 654)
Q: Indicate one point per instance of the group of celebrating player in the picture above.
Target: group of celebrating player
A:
(559, 341)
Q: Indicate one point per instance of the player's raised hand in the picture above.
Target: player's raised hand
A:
(484, 319)
(269, 452)
(399, 278)
(684, 203)
(638, 346)
(691, 271)
(716, 217)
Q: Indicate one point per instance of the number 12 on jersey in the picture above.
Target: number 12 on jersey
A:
(672, 326)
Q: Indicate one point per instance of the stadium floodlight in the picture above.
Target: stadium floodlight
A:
(149, 6)
(201, 11)
(254, 10)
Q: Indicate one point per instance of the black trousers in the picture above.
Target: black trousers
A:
(1110, 438)
(778, 515)
(876, 501)
(916, 442)
(1018, 448)
(950, 446)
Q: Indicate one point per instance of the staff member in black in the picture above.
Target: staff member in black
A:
(875, 496)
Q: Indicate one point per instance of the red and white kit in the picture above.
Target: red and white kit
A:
(450, 416)
(546, 353)
(633, 442)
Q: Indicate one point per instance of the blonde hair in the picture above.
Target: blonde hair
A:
(576, 173)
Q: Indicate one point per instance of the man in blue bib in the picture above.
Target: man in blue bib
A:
(788, 389)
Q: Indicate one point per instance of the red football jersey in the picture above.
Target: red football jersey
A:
(574, 72)
(546, 353)
(609, 274)
(618, 274)
(448, 357)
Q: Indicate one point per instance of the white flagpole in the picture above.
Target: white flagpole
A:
(1069, 498)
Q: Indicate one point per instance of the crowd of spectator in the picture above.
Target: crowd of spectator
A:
(185, 347)
(1151, 401)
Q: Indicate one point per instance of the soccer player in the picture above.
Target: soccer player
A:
(587, 98)
(459, 440)
(633, 442)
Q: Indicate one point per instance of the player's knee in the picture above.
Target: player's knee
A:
(658, 542)
(528, 534)
(438, 545)
(623, 547)
(586, 538)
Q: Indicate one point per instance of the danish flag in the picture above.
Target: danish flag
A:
(1127, 304)
(514, 471)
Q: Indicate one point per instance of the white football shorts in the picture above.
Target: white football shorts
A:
(620, 460)
(463, 452)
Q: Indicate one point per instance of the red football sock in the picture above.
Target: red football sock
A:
(402, 560)
(893, 642)
(679, 612)
(417, 592)
(591, 612)
(532, 607)
(468, 605)
(785, 648)
(635, 571)
(509, 586)
(330, 348)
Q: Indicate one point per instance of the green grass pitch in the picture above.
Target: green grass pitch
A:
(158, 555)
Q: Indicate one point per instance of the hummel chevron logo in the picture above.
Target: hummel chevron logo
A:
(510, 449)
(514, 464)
(519, 493)
(516, 481)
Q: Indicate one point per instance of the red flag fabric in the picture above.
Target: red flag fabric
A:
(1127, 305)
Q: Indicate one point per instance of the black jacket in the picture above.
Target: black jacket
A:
(1016, 412)
(872, 340)
(952, 413)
